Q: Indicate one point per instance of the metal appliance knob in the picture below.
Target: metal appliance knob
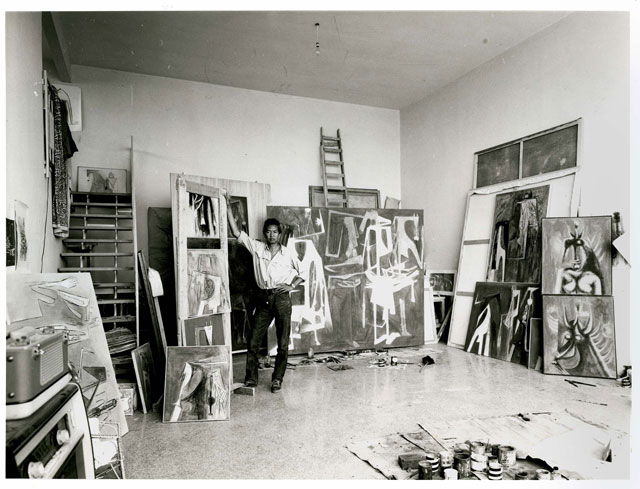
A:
(62, 436)
(36, 470)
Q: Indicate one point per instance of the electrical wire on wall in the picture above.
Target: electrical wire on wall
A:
(46, 219)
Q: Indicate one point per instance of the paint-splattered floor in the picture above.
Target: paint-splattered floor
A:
(301, 432)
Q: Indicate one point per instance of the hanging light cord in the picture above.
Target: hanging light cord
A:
(317, 41)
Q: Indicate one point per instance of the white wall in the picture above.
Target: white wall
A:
(578, 67)
(25, 180)
(229, 133)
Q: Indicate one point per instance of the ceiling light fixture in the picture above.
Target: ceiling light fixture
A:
(317, 41)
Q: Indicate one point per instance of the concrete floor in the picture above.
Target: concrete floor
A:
(301, 432)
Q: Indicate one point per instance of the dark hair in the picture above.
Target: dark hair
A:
(271, 222)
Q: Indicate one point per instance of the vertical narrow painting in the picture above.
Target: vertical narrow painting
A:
(22, 244)
(576, 255)
(204, 218)
(11, 243)
(365, 285)
(102, 180)
(579, 336)
(240, 213)
(554, 151)
(516, 242)
(197, 384)
(67, 302)
(204, 331)
(500, 318)
(536, 347)
(208, 290)
(145, 376)
(497, 166)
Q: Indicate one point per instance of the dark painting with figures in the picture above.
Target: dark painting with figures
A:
(365, 282)
(499, 324)
(497, 166)
(576, 255)
(11, 243)
(557, 150)
(516, 242)
(579, 336)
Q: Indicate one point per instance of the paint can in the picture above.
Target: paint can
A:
(478, 447)
(446, 458)
(523, 475)
(450, 474)
(543, 475)
(394, 361)
(425, 472)
(495, 471)
(310, 353)
(462, 463)
(507, 455)
(478, 462)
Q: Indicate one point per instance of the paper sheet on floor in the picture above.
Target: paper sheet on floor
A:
(561, 439)
(382, 454)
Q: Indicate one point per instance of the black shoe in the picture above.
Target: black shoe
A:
(250, 383)
(276, 385)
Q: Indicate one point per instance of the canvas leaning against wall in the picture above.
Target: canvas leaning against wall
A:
(576, 256)
(516, 241)
(579, 336)
(365, 285)
(197, 384)
(499, 324)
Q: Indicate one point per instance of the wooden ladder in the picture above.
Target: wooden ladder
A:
(337, 194)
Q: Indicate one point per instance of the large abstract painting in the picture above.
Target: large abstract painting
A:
(579, 336)
(576, 255)
(516, 241)
(197, 384)
(67, 302)
(499, 323)
(208, 287)
(365, 285)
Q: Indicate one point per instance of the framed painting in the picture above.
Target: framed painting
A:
(441, 282)
(204, 331)
(364, 198)
(197, 384)
(579, 336)
(145, 376)
(10, 248)
(102, 180)
(238, 205)
(576, 255)
(207, 283)
(498, 165)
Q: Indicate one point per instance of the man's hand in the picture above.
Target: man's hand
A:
(285, 288)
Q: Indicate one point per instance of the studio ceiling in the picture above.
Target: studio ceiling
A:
(381, 59)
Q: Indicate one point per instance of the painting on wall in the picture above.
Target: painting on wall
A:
(498, 165)
(145, 376)
(238, 205)
(365, 285)
(442, 281)
(197, 384)
(576, 255)
(553, 151)
(499, 321)
(579, 336)
(204, 331)
(207, 283)
(203, 224)
(10, 248)
(102, 180)
(67, 302)
(22, 243)
(516, 242)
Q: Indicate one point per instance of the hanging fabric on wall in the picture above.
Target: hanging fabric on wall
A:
(64, 147)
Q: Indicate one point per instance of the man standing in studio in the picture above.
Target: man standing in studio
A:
(277, 272)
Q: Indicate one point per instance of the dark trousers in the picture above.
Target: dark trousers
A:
(270, 305)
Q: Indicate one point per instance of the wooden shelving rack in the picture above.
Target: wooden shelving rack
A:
(102, 242)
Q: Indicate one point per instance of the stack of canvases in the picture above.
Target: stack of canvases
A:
(505, 317)
(198, 371)
(579, 334)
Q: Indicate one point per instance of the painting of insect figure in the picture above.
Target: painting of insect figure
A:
(579, 336)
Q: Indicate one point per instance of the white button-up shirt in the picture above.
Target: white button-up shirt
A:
(271, 272)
